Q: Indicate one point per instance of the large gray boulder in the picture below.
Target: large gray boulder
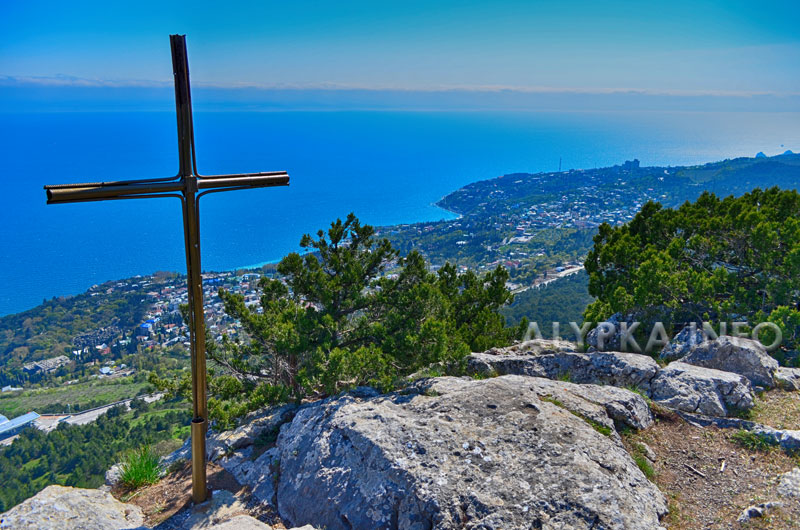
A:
(693, 388)
(458, 453)
(787, 378)
(64, 508)
(732, 354)
(605, 368)
(682, 343)
(607, 336)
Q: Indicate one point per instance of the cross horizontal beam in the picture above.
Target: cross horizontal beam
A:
(136, 189)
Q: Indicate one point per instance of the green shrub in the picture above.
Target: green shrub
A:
(336, 320)
(752, 441)
(734, 258)
(140, 468)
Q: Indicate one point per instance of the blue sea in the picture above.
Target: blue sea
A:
(387, 167)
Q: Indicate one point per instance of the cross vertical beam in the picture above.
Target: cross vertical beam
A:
(187, 186)
(187, 169)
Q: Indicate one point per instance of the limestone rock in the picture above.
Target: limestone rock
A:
(245, 522)
(607, 368)
(263, 475)
(178, 456)
(787, 378)
(607, 405)
(693, 388)
(458, 454)
(789, 485)
(64, 508)
(220, 445)
(682, 343)
(241, 522)
(741, 356)
(113, 475)
(788, 440)
(648, 451)
(596, 342)
(535, 347)
(757, 510)
(262, 423)
(222, 506)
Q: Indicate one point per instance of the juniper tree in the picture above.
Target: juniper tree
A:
(350, 311)
(721, 259)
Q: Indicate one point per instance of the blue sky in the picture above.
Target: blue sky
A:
(677, 47)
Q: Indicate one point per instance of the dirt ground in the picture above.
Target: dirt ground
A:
(166, 503)
(705, 494)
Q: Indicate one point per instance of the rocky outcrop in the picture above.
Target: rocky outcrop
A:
(682, 343)
(787, 378)
(693, 388)
(604, 368)
(607, 336)
(786, 439)
(113, 476)
(681, 386)
(535, 347)
(72, 508)
(259, 426)
(607, 405)
(740, 356)
(459, 453)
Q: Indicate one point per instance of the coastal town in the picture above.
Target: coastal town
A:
(535, 223)
(97, 353)
(163, 325)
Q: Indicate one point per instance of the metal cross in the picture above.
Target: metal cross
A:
(188, 186)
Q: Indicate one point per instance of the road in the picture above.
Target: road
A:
(48, 422)
(551, 277)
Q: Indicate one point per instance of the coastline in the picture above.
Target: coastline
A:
(249, 267)
(441, 222)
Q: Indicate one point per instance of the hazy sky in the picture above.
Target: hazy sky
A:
(676, 46)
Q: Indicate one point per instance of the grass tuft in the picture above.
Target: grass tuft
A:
(599, 427)
(636, 390)
(140, 467)
(553, 400)
(752, 441)
(491, 373)
(644, 466)
(566, 377)
(638, 455)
